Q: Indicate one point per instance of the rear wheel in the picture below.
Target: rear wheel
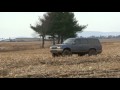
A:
(92, 52)
(66, 52)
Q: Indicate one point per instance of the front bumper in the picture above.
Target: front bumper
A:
(56, 50)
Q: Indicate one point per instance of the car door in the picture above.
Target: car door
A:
(76, 46)
(83, 45)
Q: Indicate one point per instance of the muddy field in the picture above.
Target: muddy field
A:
(28, 60)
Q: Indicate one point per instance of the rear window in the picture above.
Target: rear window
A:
(93, 41)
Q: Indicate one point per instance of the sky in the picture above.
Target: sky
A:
(17, 24)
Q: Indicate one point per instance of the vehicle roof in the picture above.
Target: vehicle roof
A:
(85, 38)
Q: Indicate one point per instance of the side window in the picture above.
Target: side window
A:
(77, 41)
(84, 41)
(93, 41)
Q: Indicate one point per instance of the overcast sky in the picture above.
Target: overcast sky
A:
(17, 24)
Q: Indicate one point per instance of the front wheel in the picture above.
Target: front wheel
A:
(67, 52)
(54, 55)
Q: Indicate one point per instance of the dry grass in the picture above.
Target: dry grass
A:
(27, 60)
(18, 46)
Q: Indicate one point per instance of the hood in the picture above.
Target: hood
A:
(56, 45)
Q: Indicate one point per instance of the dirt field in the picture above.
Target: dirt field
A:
(28, 60)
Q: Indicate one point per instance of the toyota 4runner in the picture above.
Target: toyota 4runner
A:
(80, 46)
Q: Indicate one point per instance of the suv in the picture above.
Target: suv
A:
(80, 46)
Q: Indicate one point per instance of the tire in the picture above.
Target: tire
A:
(67, 52)
(81, 54)
(92, 52)
(54, 55)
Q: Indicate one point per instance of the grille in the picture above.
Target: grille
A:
(54, 47)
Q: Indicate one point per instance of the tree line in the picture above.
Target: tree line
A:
(58, 25)
(104, 37)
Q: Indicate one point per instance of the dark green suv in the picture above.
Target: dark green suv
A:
(80, 46)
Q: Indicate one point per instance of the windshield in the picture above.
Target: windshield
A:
(69, 41)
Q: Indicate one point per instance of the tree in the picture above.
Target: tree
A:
(64, 25)
(60, 25)
(35, 35)
(42, 27)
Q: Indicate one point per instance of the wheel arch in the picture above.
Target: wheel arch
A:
(67, 49)
(93, 49)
